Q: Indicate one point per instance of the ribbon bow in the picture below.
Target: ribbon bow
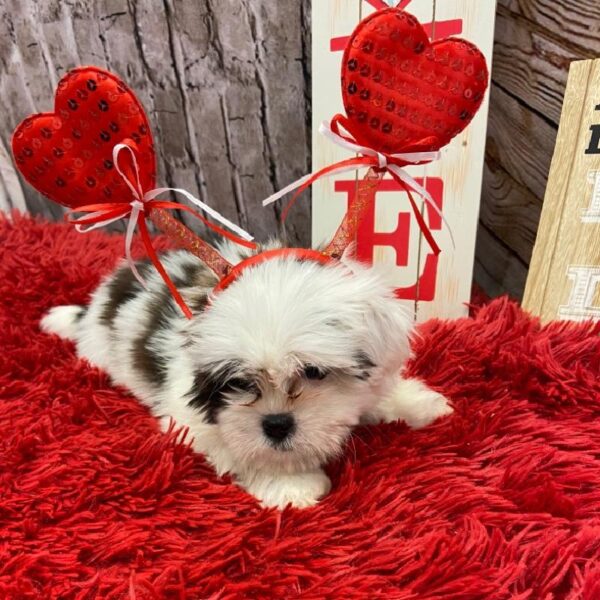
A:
(381, 162)
(138, 209)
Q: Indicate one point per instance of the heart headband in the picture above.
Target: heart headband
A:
(404, 98)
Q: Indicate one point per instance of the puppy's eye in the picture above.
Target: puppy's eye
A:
(239, 385)
(314, 373)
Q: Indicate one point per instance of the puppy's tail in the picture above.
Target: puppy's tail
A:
(63, 321)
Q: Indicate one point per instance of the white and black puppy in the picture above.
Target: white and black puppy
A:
(271, 375)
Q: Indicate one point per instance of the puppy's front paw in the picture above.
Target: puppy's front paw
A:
(300, 490)
(432, 406)
(414, 403)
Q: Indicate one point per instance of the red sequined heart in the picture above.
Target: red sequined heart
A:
(67, 155)
(403, 93)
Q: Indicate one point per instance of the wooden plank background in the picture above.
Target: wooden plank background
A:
(535, 42)
(226, 82)
(225, 85)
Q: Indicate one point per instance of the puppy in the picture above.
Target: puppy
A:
(271, 375)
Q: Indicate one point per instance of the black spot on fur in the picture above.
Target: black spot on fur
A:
(122, 288)
(194, 283)
(80, 314)
(198, 281)
(198, 304)
(145, 358)
(207, 392)
(190, 274)
(363, 366)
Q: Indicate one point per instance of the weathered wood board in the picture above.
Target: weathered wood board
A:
(565, 267)
(429, 286)
(535, 42)
(224, 85)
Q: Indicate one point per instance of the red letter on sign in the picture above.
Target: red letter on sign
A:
(367, 238)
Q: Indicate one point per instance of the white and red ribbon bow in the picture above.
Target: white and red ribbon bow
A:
(100, 215)
(368, 157)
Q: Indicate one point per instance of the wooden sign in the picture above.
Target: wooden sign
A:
(430, 286)
(565, 267)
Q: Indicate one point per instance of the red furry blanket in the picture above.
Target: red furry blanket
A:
(502, 500)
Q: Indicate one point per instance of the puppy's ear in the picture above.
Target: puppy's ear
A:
(388, 327)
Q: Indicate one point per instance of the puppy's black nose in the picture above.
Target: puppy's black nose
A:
(278, 427)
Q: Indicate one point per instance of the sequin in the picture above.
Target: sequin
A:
(352, 88)
(364, 94)
(352, 64)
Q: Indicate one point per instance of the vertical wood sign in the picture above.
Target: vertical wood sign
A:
(430, 286)
(565, 267)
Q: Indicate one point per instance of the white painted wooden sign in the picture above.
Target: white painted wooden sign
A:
(430, 286)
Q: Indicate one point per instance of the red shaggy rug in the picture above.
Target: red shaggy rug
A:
(502, 500)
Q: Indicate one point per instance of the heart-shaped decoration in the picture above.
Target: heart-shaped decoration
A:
(67, 154)
(403, 93)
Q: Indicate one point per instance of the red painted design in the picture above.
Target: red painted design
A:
(399, 239)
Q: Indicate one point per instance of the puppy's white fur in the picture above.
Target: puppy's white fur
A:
(322, 345)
